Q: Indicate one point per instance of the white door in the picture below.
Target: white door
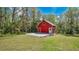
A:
(50, 30)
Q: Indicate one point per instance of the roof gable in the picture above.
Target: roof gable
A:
(46, 22)
(49, 22)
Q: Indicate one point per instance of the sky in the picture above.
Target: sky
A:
(53, 10)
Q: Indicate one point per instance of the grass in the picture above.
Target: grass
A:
(57, 42)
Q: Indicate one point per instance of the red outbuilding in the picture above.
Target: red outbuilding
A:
(45, 27)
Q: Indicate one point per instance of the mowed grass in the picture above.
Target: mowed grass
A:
(57, 42)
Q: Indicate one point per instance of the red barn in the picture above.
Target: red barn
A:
(45, 27)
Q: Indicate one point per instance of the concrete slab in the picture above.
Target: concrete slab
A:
(38, 34)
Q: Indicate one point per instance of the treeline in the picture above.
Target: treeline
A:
(69, 22)
(16, 20)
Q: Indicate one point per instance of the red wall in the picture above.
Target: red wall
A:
(44, 27)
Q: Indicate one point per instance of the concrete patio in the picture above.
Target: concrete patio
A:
(38, 34)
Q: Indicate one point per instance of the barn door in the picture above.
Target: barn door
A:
(44, 29)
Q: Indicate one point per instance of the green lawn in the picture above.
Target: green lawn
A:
(29, 43)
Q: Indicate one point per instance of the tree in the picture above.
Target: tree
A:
(34, 19)
(69, 21)
(1, 20)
